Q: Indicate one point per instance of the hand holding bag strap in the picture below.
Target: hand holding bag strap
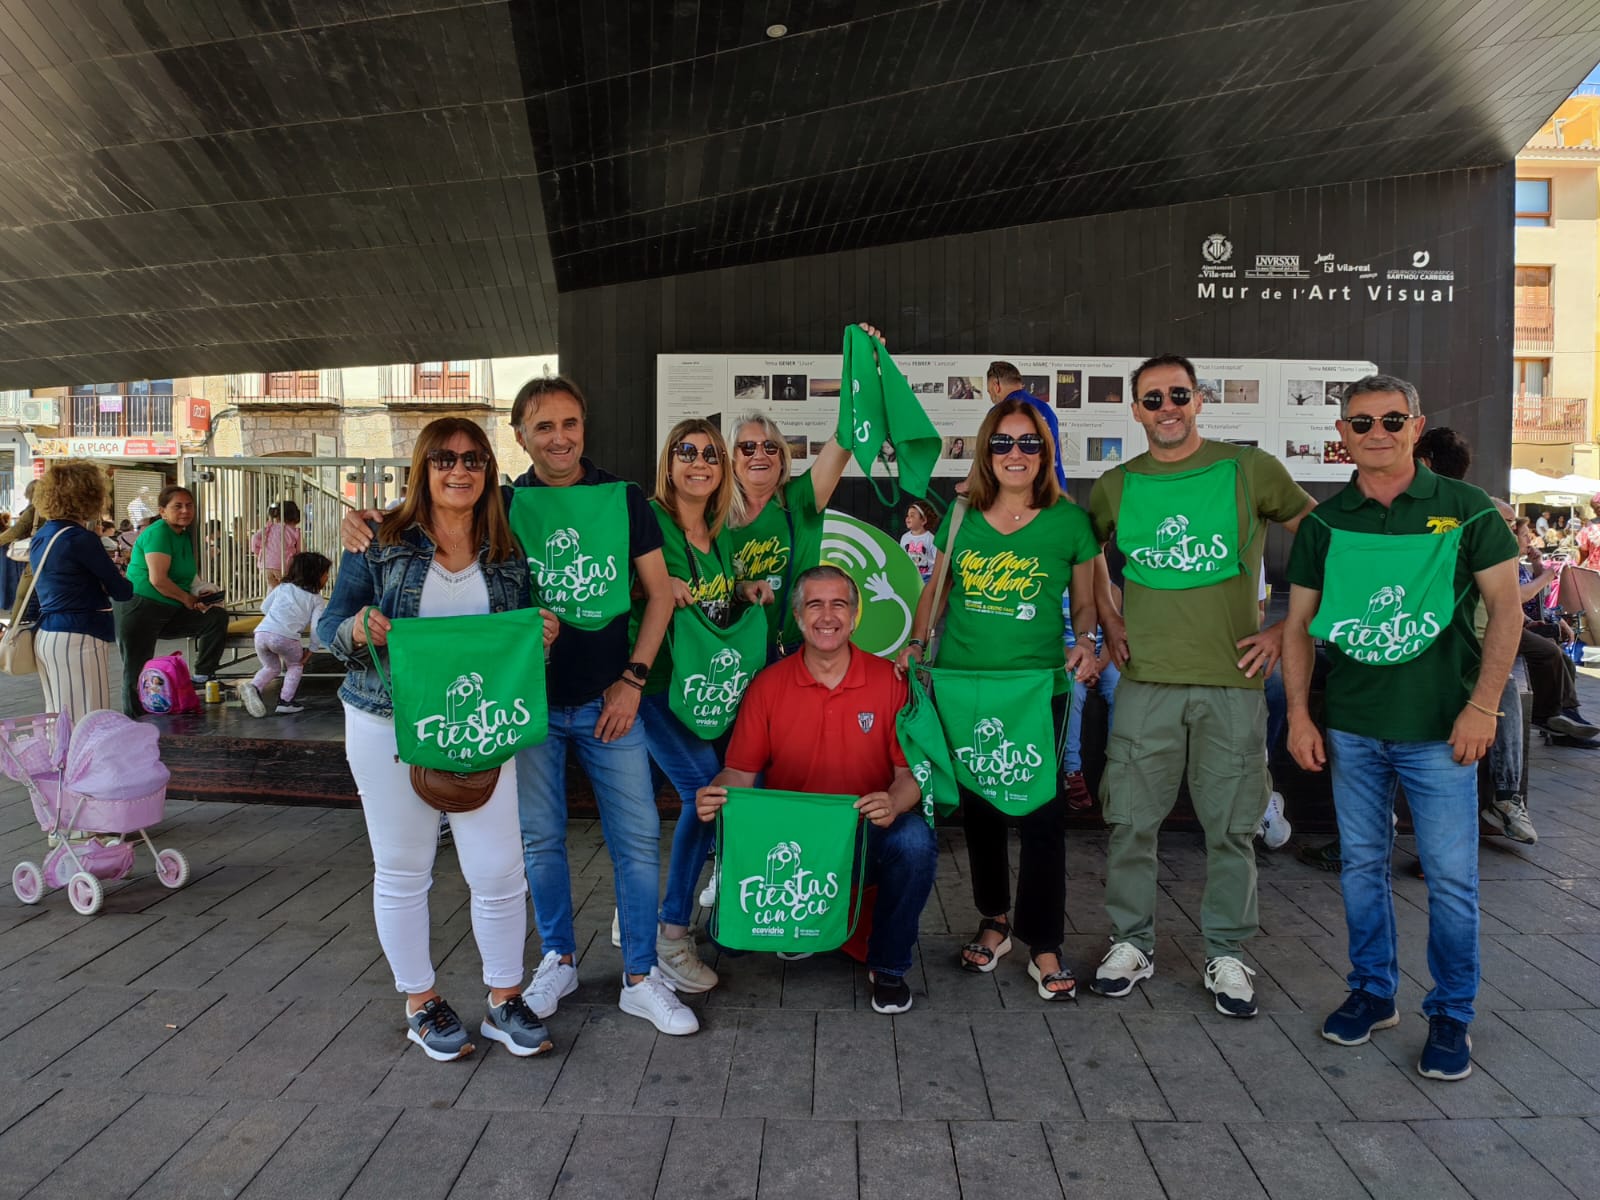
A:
(20, 606)
(941, 575)
(377, 661)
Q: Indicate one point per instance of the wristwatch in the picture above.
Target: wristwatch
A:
(638, 670)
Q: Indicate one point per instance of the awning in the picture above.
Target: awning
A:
(1530, 483)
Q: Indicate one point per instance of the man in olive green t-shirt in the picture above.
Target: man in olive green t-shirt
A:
(1190, 517)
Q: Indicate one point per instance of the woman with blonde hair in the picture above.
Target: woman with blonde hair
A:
(75, 582)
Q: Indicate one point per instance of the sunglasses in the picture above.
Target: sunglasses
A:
(687, 452)
(748, 449)
(445, 460)
(1393, 422)
(1180, 396)
(1028, 443)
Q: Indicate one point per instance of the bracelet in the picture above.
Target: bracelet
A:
(918, 643)
(1486, 711)
(630, 681)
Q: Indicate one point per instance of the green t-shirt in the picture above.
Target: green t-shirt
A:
(710, 580)
(1416, 701)
(160, 538)
(763, 549)
(1005, 589)
(1191, 636)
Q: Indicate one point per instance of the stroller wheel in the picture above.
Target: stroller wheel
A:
(85, 893)
(172, 868)
(27, 881)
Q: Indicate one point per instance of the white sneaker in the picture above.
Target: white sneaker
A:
(252, 701)
(287, 708)
(616, 929)
(708, 894)
(553, 980)
(681, 965)
(1274, 829)
(653, 999)
(1228, 981)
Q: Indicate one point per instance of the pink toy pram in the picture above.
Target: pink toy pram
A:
(91, 787)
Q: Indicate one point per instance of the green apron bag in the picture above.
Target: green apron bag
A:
(789, 871)
(923, 742)
(877, 405)
(711, 667)
(468, 692)
(1386, 597)
(1181, 531)
(576, 540)
(1002, 743)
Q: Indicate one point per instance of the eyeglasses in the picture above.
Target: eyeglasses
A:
(687, 452)
(1180, 396)
(748, 449)
(445, 460)
(1028, 443)
(1393, 422)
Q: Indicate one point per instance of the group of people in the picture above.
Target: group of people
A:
(1388, 573)
(1577, 538)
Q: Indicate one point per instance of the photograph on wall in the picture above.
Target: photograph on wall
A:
(1208, 390)
(1071, 448)
(1105, 389)
(1334, 453)
(959, 448)
(921, 387)
(1334, 391)
(1069, 389)
(750, 387)
(1294, 448)
(1241, 391)
(789, 388)
(965, 387)
(1105, 450)
(798, 444)
(1304, 393)
(1037, 385)
(822, 389)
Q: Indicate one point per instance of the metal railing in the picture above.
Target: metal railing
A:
(1535, 327)
(1549, 419)
(127, 415)
(288, 389)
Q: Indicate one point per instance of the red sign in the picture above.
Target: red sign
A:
(136, 448)
(199, 414)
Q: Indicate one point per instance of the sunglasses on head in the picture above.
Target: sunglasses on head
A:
(748, 449)
(1180, 396)
(1028, 443)
(687, 452)
(445, 460)
(1393, 422)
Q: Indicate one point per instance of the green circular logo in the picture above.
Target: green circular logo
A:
(889, 581)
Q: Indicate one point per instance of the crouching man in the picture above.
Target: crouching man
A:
(823, 720)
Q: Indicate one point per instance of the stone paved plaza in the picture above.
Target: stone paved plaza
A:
(241, 1037)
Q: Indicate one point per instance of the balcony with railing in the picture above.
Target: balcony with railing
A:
(102, 414)
(1535, 326)
(1549, 419)
(287, 390)
(445, 385)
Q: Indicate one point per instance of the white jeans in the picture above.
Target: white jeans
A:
(404, 833)
(74, 672)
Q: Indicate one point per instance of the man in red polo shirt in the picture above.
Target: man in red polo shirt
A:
(823, 721)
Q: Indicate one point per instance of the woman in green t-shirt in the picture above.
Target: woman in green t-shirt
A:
(1019, 547)
(161, 570)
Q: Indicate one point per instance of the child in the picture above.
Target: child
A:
(289, 607)
(277, 542)
(921, 522)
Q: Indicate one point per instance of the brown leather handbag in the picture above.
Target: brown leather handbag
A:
(454, 791)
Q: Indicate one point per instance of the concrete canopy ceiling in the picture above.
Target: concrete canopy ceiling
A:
(198, 186)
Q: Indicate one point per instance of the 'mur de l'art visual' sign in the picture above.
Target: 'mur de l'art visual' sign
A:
(1226, 273)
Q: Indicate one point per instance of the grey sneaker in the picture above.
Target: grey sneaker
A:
(680, 962)
(514, 1026)
(1228, 981)
(252, 701)
(1508, 812)
(436, 1028)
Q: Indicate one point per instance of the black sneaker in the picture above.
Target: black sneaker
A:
(436, 1028)
(1448, 1052)
(1323, 858)
(1353, 1022)
(890, 993)
(1579, 725)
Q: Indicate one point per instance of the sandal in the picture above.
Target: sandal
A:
(989, 954)
(1064, 975)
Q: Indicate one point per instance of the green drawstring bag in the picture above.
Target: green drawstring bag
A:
(712, 666)
(922, 739)
(468, 692)
(790, 870)
(877, 405)
(1002, 741)
(576, 540)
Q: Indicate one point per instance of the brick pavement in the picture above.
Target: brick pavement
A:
(240, 1037)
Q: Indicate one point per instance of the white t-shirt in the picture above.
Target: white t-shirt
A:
(920, 547)
(289, 611)
(463, 593)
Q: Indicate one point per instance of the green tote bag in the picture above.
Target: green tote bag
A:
(711, 667)
(928, 753)
(1002, 739)
(789, 871)
(468, 692)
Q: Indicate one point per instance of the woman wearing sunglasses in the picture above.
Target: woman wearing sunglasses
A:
(1020, 546)
(446, 551)
(694, 490)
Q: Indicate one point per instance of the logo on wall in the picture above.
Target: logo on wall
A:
(1216, 249)
(1276, 266)
(887, 579)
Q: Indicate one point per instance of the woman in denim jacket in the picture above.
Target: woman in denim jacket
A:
(446, 551)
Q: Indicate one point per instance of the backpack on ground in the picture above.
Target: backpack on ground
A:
(165, 688)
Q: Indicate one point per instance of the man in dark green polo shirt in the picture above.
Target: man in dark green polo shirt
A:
(1388, 573)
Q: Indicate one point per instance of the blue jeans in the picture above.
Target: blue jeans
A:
(1443, 796)
(1505, 756)
(902, 861)
(689, 763)
(619, 772)
(1106, 688)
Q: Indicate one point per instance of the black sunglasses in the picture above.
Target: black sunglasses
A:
(748, 449)
(1179, 396)
(687, 452)
(1028, 443)
(445, 460)
(1393, 422)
